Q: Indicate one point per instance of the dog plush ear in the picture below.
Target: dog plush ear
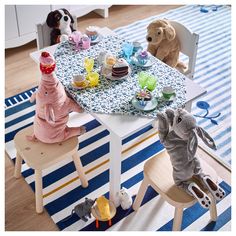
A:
(169, 32)
(68, 13)
(50, 20)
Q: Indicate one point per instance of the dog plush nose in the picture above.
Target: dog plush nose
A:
(149, 39)
(65, 18)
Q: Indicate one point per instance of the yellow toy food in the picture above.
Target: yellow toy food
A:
(104, 208)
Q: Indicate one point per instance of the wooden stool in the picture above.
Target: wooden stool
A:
(40, 155)
(158, 174)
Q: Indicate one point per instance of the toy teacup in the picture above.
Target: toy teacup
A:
(137, 46)
(80, 81)
(168, 92)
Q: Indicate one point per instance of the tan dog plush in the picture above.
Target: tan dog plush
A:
(164, 44)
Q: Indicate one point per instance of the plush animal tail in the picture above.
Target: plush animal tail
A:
(181, 67)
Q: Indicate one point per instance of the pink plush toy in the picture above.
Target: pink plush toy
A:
(53, 106)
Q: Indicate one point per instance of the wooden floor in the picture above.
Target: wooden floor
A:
(22, 74)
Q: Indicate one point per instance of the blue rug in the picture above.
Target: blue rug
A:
(62, 188)
(213, 65)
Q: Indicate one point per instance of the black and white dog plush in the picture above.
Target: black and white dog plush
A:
(61, 23)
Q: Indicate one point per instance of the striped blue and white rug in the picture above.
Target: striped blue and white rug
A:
(62, 189)
(213, 65)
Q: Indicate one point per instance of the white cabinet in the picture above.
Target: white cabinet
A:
(21, 20)
(29, 15)
(11, 23)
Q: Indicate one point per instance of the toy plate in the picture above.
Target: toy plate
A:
(110, 77)
(79, 88)
(151, 105)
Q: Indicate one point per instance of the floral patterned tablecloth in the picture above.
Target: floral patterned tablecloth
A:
(114, 96)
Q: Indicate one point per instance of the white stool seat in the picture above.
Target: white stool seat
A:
(39, 156)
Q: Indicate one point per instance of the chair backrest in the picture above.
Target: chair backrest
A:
(188, 45)
(43, 33)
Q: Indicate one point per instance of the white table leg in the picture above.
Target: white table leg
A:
(188, 106)
(115, 167)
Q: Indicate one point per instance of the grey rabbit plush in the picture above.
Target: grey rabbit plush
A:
(178, 132)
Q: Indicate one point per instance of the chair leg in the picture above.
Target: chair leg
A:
(17, 171)
(213, 209)
(80, 170)
(177, 219)
(38, 191)
(141, 192)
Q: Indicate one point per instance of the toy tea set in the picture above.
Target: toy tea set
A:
(84, 41)
(118, 68)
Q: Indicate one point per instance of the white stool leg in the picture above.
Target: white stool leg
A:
(177, 219)
(213, 209)
(80, 170)
(17, 171)
(38, 191)
(141, 192)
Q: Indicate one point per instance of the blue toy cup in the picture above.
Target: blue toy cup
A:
(137, 47)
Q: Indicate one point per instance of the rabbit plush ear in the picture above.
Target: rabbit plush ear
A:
(169, 32)
(206, 138)
(192, 145)
(163, 126)
(170, 115)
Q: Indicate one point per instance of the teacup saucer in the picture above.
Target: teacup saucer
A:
(79, 88)
(148, 64)
(171, 99)
(150, 105)
(97, 40)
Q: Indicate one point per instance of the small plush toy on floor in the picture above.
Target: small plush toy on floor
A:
(82, 210)
(61, 23)
(125, 199)
(178, 132)
(164, 44)
(53, 106)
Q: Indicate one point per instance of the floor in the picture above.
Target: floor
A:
(19, 198)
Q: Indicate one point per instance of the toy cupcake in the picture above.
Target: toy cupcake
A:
(92, 33)
(143, 96)
(109, 61)
(142, 57)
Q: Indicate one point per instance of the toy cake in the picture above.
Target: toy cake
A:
(91, 32)
(120, 68)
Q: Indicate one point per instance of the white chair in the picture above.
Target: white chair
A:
(43, 33)
(188, 45)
